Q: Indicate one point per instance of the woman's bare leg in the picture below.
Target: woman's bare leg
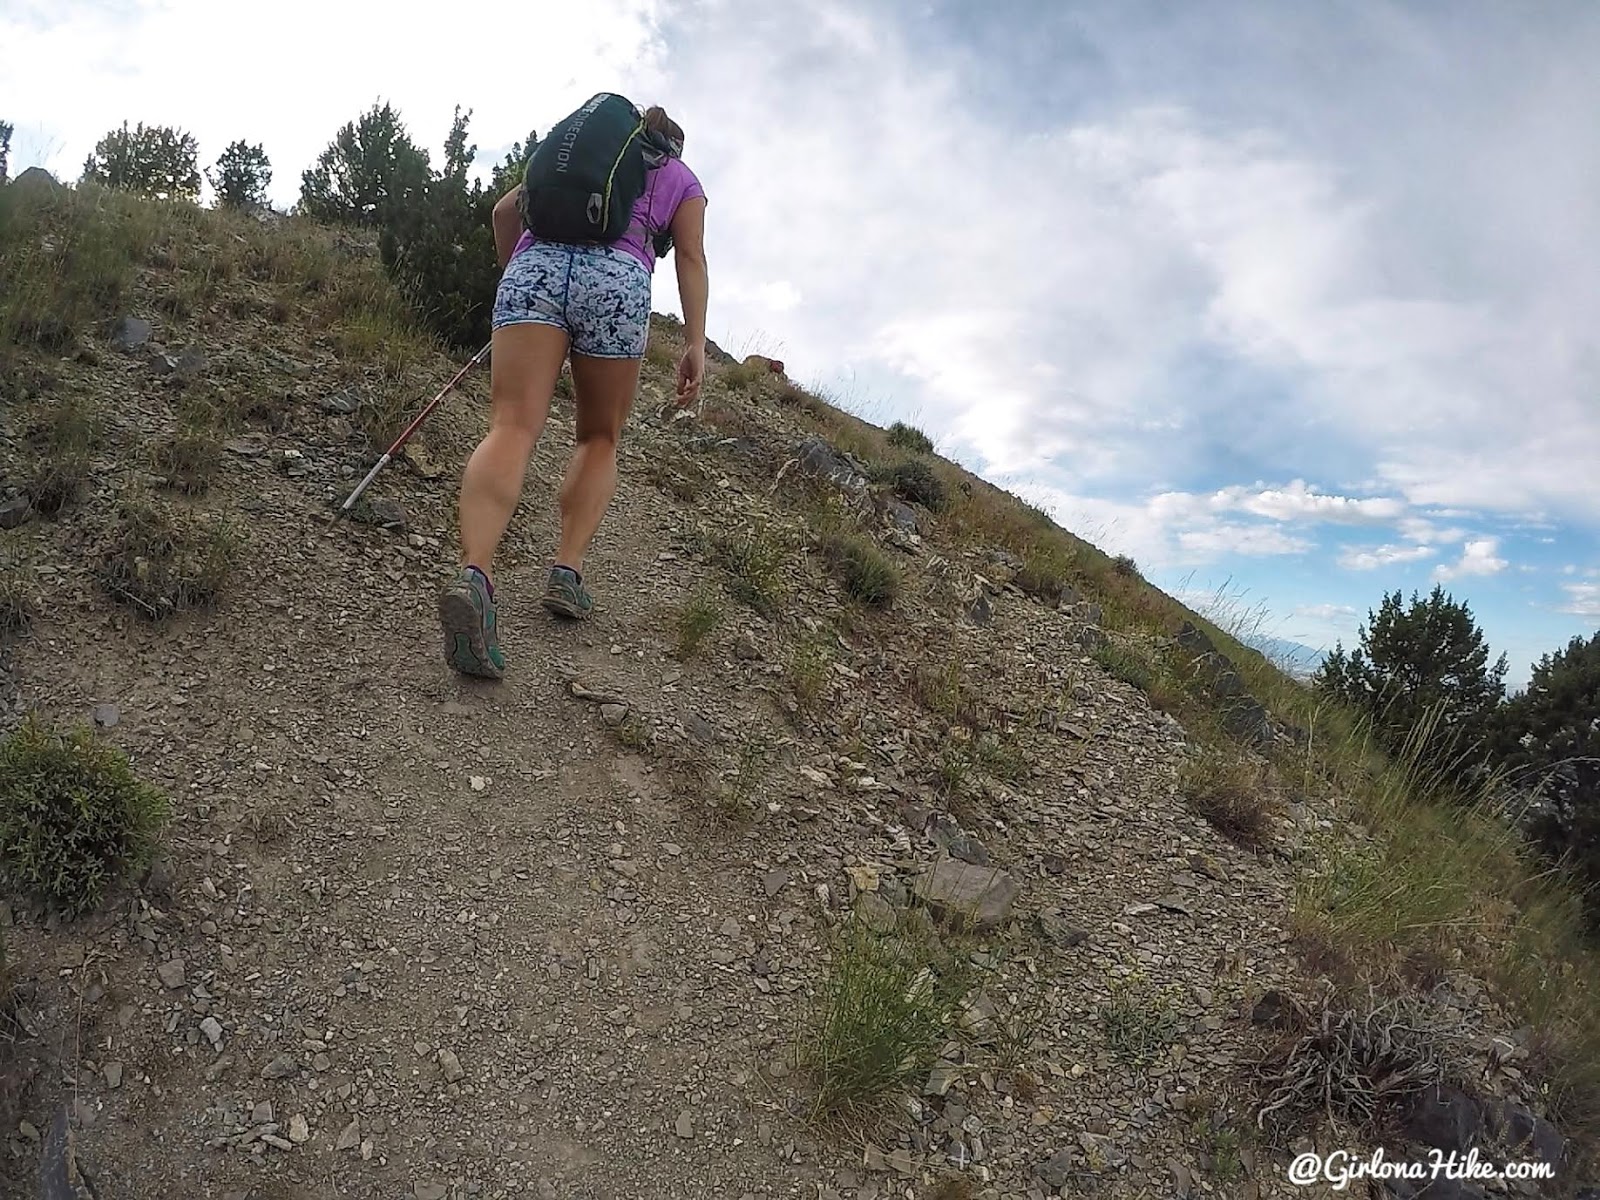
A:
(606, 388)
(524, 365)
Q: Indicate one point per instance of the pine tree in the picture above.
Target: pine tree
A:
(1420, 665)
(154, 161)
(371, 174)
(241, 176)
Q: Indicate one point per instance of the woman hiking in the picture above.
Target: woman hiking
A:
(592, 301)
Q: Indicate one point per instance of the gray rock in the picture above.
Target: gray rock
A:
(878, 914)
(961, 893)
(212, 1028)
(341, 404)
(1445, 1118)
(113, 1074)
(107, 716)
(280, 1068)
(1249, 722)
(1059, 933)
(1057, 1170)
(432, 1191)
(1522, 1130)
(1276, 1010)
(685, 1125)
(350, 1138)
(980, 610)
(940, 1078)
(37, 179)
(14, 512)
(1091, 637)
(774, 880)
(191, 362)
(1194, 641)
(451, 1066)
(390, 514)
(817, 457)
(171, 973)
(614, 714)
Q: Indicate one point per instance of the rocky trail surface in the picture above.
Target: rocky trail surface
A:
(416, 936)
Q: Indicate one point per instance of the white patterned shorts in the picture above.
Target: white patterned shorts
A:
(600, 295)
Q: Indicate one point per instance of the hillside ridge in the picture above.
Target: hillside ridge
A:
(415, 935)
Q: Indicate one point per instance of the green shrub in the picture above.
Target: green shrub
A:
(191, 456)
(161, 560)
(68, 259)
(1231, 793)
(18, 605)
(909, 437)
(73, 816)
(1046, 572)
(1126, 664)
(914, 481)
(756, 565)
(155, 161)
(699, 615)
(1125, 566)
(878, 1020)
(1139, 1022)
(808, 675)
(63, 436)
(866, 572)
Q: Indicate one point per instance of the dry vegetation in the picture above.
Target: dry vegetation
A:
(1412, 873)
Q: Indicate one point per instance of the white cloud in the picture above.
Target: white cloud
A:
(1296, 501)
(1583, 600)
(1353, 558)
(303, 71)
(1251, 540)
(1333, 614)
(1477, 558)
(1425, 532)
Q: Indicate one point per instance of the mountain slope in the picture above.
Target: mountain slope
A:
(412, 935)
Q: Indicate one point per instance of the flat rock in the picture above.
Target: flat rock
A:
(451, 1066)
(171, 973)
(1057, 1169)
(280, 1068)
(958, 891)
(14, 512)
(131, 333)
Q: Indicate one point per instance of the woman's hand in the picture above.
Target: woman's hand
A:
(691, 373)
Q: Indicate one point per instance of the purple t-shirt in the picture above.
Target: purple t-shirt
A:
(668, 186)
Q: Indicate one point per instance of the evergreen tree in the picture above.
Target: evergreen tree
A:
(5, 149)
(1416, 663)
(441, 248)
(1548, 736)
(153, 161)
(370, 174)
(241, 176)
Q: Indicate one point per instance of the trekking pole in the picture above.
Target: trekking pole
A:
(388, 455)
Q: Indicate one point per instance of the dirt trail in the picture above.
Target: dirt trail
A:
(447, 938)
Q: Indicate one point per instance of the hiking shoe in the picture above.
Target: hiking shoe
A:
(566, 594)
(467, 615)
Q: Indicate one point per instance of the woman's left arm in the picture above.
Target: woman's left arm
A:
(507, 224)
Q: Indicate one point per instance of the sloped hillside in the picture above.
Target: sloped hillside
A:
(863, 773)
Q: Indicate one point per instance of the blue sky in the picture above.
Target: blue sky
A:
(1295, 304)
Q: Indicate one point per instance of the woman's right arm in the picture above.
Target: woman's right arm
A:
(689, 252)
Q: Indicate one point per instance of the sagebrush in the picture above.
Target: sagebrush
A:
(74, 817)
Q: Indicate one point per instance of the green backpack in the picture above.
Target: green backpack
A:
(583, 180)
